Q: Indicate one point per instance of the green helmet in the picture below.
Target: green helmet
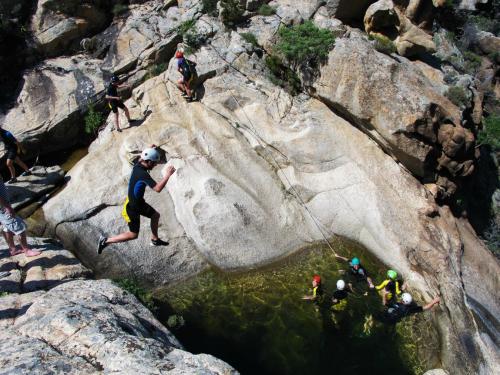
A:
(391, 274)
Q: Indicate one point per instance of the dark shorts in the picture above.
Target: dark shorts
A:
(132, 215)
(187, 78)
(115, 104)
(12, 153)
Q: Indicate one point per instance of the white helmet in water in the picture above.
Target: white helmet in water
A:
(406, 298)
(340, 284)
(150, 154)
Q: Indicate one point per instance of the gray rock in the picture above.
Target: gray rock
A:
(348, 10)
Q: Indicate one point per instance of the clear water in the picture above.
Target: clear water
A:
(257, 321)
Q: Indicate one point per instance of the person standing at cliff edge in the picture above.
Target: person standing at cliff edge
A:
(12, 146)
(135, 206)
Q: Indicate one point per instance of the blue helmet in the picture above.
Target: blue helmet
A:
(355, 261)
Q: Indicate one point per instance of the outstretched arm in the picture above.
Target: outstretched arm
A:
(431, 304)
(160, 185)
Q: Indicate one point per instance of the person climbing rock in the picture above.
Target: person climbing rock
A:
(115, 102)
(135, 206)
(356, 271)
(13, 225)
(13, 147)
(398, 310)
(185, 67)
(317, 290)
(390, 288)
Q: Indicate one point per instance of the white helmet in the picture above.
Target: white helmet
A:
(150, 154)
(406, 298)
(340, 284)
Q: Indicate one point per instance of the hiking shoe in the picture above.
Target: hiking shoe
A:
(184, 94)
(26, 173)
(12, 180)
(158, 242)
(101, 244)
(4, 274)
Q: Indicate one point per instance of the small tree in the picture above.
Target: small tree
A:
(231, 12)
(93, 120)
(305, 44)
(457, 96)
(490, 135)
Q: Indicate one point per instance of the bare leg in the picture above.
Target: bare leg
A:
(122, 237)
(180, 85)
(10, 165)
(155, 219)
(22, 164)
(188, 89)
(117, 121)
(9, 238)
(24, 245)
(127, 114)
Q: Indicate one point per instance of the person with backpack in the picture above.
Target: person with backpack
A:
(13, 147)
(115, 102)
(186, 68)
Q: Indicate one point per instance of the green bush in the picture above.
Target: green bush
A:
(282, 75)
(485, 24)
(119, 9)
(209, 7)
(133, 286)
(185, 27)
(490, 135)
(472, 62)
(93, 120)
(383, 44)
(304, 44)
(155, 70)
(250, 38)
(266, 10)
(457, 96)
(231, 12)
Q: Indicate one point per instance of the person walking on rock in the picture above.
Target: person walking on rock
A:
(115, 102)
(135, 206)
(185, 68)
(13, 147)
(13, 225)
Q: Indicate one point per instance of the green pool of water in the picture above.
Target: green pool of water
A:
(257, 321)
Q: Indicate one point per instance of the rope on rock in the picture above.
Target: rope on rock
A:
(277, 165)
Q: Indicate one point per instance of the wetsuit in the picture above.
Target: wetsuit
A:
(113, 103)
(359, 275)
(392, 287)
(10, 143)
(397, 311)
(339, 300)
(135, 205)
(185, 69)
(318, 294)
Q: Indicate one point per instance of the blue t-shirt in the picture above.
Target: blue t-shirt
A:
(8, 139)
(139, 179)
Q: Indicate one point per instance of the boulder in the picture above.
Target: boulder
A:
(51, 104)
(471, 4)
(57, 25)
(384, 18)
(87, 326)
(306, 10)
(348, 10)
(364, 85)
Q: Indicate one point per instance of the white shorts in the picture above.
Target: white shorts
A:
(11, 223)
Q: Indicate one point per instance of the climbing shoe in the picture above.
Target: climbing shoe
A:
(101, 244)
(184, 94)
(158, 242)
(12, 180)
